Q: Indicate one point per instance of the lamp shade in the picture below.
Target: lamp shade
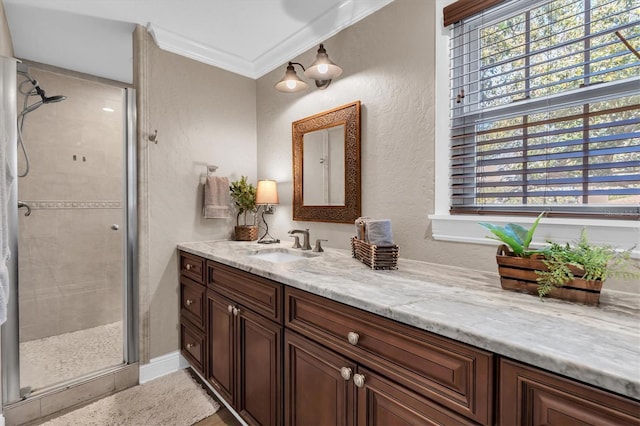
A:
(291, 82)
(267, 192)
(323, 68)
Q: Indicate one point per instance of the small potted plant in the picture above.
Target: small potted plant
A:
(243, 194)
(572, 272)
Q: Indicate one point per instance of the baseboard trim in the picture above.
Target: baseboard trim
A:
(161, 366)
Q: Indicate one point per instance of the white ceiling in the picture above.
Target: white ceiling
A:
(247, 37)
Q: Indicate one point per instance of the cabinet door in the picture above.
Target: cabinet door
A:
(259, 352)
(315, 391)
(220, 341)
(532, 397)
(381, 402)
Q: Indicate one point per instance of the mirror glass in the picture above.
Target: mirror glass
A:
(323, 172)
(326, 166)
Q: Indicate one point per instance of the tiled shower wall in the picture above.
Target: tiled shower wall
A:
(70, 260)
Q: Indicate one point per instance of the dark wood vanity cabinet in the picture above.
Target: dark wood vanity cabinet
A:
(325, 388)
(398, 374)
(280, 355)
(245, 347)
(532, 397)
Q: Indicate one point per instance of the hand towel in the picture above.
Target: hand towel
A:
(378, 232)
(217, 198)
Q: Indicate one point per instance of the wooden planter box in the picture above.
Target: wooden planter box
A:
(519, 274)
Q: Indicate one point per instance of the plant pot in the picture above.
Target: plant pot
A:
(246, 233)
(519, 274)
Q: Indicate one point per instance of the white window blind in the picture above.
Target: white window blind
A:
(545, 109)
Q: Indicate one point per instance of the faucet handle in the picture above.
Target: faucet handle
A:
(318, 247)
(296, 243)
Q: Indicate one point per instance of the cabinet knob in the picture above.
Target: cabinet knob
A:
(230, 309)
(345, 372)
(236, 311)
(188, 266)
(353, 337)
(190, 345)
(358, 380)
(189, 302)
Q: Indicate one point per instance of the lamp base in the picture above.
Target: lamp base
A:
(268, 241)
(264, 239)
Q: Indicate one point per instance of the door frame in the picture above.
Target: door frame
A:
(9, 333)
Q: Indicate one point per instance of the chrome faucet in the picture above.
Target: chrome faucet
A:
(305, 242)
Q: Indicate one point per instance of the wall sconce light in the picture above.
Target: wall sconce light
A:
(322, 70)
(291, 83)
(267, 196)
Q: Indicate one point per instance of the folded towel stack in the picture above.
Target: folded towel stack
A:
(217, 199)
(374, 231)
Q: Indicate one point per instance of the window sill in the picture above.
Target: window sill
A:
(620, 234)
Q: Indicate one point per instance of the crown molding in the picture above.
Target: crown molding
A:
(342, 16)
(183, 46)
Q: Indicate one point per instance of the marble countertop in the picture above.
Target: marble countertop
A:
(597, 345)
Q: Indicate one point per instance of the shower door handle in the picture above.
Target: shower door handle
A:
(115, 227)
(26, 206)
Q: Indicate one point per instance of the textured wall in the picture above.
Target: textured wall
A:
(70, 261)
(387, 60)
(203, 115)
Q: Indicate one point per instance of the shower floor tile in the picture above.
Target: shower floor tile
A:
(47, 361)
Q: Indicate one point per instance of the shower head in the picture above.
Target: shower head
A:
(47, 99)
(53, 99)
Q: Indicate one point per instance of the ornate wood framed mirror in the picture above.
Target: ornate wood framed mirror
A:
(326, 166)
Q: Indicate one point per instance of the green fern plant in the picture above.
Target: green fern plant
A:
(594, 262)
(515, 236)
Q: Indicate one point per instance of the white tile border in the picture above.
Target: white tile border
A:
(72, 204)
(161, 366)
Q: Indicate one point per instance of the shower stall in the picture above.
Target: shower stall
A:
(72, 306)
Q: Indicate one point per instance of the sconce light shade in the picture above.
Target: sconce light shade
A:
(323, 68)
(291, 82)
(267, 192)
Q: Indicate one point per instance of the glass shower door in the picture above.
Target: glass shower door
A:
(71, 269)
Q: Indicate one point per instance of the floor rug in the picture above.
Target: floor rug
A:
(175, 399)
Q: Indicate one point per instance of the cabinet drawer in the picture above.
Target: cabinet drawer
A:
(529, 396)
(259, 294)
(382, 402)
(455, 375)
(192, 296)
(192, 345)
(192, 266)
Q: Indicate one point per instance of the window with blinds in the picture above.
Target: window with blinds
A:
(545, 109)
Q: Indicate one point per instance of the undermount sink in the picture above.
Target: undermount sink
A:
(280, 255)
